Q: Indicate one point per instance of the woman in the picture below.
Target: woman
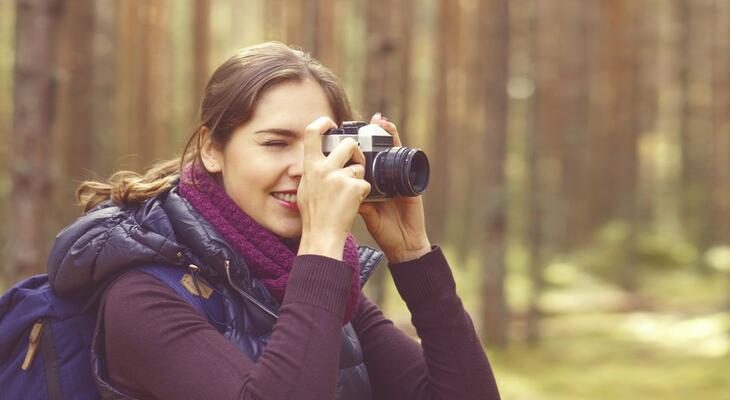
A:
(255, 222)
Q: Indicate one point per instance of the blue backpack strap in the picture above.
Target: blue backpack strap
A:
(211, 308)
(51, 365)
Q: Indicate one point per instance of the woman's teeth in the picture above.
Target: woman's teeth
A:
(287, 197)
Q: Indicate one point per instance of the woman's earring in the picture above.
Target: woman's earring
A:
(210, 164)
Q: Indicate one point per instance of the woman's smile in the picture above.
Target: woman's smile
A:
(287, 199)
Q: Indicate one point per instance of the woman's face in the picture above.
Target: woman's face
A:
(262, 163)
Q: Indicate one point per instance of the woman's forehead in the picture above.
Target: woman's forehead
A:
(292, 93)
(289, 104)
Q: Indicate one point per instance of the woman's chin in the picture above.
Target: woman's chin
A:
(288, 232)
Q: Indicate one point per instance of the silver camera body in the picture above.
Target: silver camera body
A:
(391, 171)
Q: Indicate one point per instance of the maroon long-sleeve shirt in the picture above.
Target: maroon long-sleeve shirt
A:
(159, 347)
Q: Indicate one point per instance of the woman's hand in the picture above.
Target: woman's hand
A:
(329, 193)
(398, 224)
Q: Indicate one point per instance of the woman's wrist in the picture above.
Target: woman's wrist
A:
(404, 254)
(327, 244)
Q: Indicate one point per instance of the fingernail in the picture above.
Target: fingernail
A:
(378, 115)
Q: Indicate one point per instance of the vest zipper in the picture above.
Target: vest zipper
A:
(246, 295)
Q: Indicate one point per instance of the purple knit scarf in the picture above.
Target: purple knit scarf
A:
(268, 258)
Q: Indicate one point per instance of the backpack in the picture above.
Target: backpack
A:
(46, 341)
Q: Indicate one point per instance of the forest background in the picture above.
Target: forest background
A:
(580, 156)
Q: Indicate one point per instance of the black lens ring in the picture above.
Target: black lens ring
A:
(418, 164)
(400, 171)
(393, 169)
(377, 177)
(404, 171)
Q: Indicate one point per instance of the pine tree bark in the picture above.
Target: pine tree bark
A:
(274, 19)
(201, 49)
(300, 23)
(541, 38)
(385, 79)
(143, 92)
(72, 130)
(33, 95)
(627, 106)
(328, 37)
(448, 46)
(492, 201)
(721, 114)
(576, 75)
(697, 122)
(104, 117)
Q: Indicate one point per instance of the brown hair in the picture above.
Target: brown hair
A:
(229, 101)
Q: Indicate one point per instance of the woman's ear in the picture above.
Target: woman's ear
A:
(211, 156)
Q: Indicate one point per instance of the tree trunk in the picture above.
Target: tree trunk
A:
(696, 124)
(328, 36)
(143, 94)
(300, 23)
(273, 17)
(7, 29)
(437, 201)
(385, 81)
(35, 46)
(582, 222)
(541, 110)
(73, 133)
(104, 119)
(721, 115)
(495, 33)
(628, 206)
(128, 73)
(684, 12)
(156, 135)
(201, 51)
(465, 230)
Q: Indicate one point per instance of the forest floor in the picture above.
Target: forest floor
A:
(669, 340)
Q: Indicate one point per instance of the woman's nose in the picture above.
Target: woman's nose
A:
(296, 168)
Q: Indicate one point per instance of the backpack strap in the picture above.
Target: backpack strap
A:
(50, 365)
(188, 285)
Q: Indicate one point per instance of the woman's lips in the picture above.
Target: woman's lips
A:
(288, 204)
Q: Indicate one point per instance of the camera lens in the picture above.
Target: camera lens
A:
(401, 171)
(418, 172)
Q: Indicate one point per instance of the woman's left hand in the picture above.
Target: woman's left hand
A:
(398, 224)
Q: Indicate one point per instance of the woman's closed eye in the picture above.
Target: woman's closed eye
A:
(274, 143)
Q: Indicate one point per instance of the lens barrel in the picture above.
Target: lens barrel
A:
(401, 171)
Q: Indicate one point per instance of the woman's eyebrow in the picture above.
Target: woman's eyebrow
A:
(278, 131)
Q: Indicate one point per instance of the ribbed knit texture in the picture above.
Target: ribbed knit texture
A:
(419, 288)
(268, 258)
(320, 281)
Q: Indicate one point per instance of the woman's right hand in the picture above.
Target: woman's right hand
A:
(329, 193)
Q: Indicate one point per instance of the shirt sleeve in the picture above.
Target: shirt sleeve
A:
(158, 346)
(449, 363)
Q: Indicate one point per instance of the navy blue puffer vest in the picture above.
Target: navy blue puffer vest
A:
(166, 230)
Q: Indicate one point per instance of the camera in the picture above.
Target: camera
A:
(391, 171)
